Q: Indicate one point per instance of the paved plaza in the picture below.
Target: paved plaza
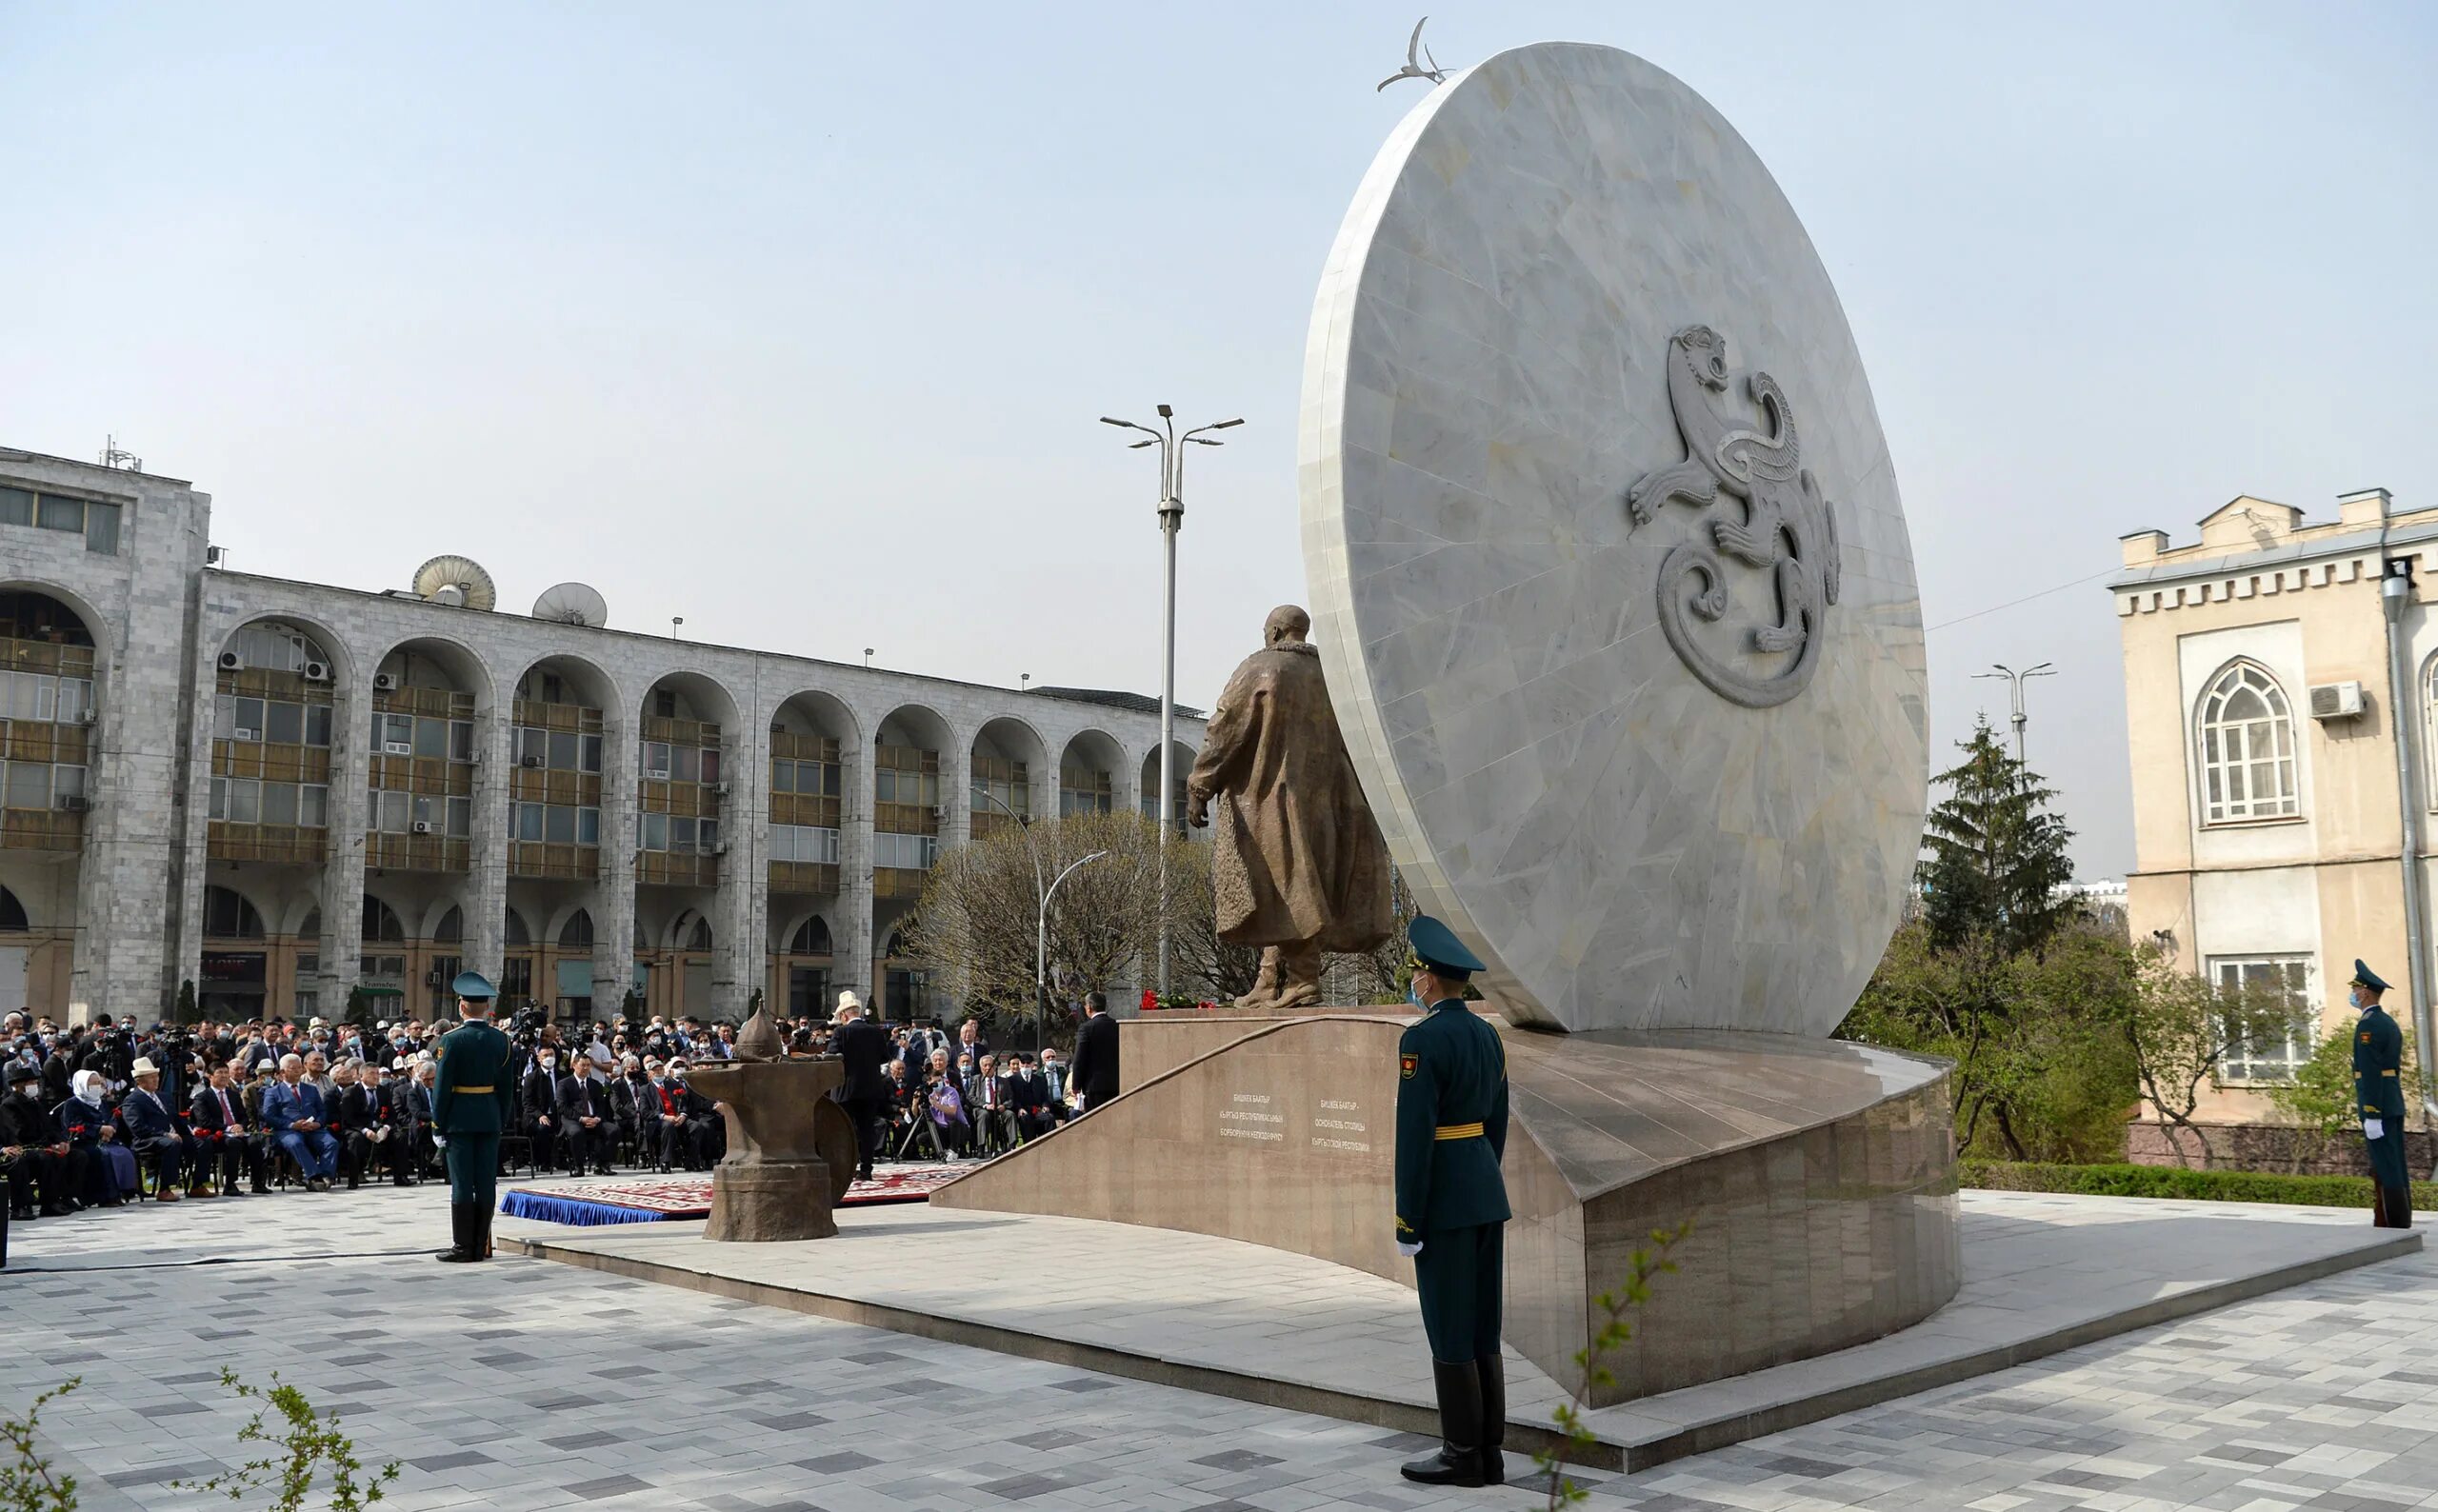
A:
(527, 1383)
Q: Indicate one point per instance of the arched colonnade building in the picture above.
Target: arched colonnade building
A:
(287, 791)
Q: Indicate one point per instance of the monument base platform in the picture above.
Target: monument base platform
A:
(1260, 1324)
(1817, 1176)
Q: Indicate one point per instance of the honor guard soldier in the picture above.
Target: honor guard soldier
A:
(469, 1108)
(1451, 1204)
(2378, 1096)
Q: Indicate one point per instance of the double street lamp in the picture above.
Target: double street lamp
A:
(1171, 520)
(1043, 892)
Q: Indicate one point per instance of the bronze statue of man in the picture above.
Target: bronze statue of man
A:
(1298, 863)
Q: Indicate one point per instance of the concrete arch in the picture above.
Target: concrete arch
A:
(15, 917)
(301, 908)
(589, 684)
(1095, 750)
(371, 897)
(90, 620)
(1181, 761)
(262, 915)
(333, 647)
(436, 911)
(1010, 737)
(515, 932)
(465, 669)
(816, 711)
(706, 696)
(783, 939)
(681, 929)
(556, 932)
(916, 725)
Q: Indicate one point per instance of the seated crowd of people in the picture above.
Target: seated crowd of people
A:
(96, 1115)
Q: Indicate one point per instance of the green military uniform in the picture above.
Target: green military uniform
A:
(471, 1105)
(2378, 1097)
(1451, 1202)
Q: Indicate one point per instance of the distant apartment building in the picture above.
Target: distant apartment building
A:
(2270, 798)
(285, 793)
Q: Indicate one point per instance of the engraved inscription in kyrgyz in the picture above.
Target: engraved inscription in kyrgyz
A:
(1788, 529)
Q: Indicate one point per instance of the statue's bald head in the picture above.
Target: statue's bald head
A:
(1286, 623)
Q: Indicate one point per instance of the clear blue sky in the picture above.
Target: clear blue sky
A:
(796, 321)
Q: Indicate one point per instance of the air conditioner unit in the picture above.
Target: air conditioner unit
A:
(232, 661)
(2336, 700)
(69, 803)
(421, 827)
(317, 672)
(397, 747)
(88, 717)
(242, 733)
(531, 764)
(717, 848)
(385, 681)
(659, 774)
(474, 756)
(720, 789)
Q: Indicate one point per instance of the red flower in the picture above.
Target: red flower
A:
(1150, 998)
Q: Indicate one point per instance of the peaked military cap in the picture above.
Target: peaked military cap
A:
(1437, 948)
(474, 985)
(2364, 976)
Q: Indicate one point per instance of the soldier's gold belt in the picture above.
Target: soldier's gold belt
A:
(1457, 1131)
(2387, 1073)
(469, 1090)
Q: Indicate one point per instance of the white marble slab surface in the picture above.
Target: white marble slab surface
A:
(1485, 381)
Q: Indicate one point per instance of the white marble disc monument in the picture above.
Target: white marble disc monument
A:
(1606, 560)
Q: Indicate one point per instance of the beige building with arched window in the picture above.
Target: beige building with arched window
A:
(2267, 789)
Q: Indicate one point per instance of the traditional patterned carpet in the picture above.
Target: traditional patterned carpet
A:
(648, 1199)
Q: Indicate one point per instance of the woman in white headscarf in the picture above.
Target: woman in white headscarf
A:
(91, 1124)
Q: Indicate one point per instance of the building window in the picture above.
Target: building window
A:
(904, 852)
(805, 843)
(227, 916)
(2280, 978)
(2247, 747)
(94, 519)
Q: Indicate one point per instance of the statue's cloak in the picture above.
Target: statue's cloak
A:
(1298, 856)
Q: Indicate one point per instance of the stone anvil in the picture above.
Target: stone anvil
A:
(790, 1148)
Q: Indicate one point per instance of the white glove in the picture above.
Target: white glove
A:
(440, 1142)
(1408, 1251)
(2373, 1128)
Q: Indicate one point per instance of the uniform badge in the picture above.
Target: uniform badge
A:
(1407, 1064)
(2365, 1039)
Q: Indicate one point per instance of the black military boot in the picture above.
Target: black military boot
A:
(1493, 1373)
(1458, 1461)
(461, 1231)
(479, 1215)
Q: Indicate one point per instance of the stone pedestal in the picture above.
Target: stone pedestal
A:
(767, 1200)
(1818, 1175)
(790, 1148)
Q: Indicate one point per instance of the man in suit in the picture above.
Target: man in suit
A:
(634, 1105)
(538, 1100)
(863, 1092)
(37, 1154)
(1028, 1098)
(701, 1132)
(587, 1128)
(1451, 1207)
(1095, 1078)
(152, 1129)
(218, 1123)
(2378, 1096)
(471, 1107)
(361, 1119)
(411, 1116)
(295, 1115)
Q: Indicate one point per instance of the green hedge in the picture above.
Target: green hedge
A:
(2172, 1181)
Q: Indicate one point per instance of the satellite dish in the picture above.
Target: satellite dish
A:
(465, 576)
(572, 604)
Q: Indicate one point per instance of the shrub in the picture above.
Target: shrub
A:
(2178, 1183)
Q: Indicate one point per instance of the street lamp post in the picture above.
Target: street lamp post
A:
(1172, 521)
(2014, 684)
(1041, 894)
